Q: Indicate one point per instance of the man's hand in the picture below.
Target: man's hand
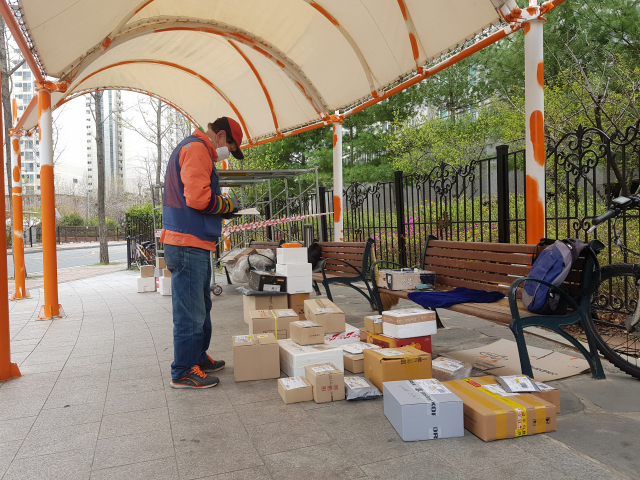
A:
(234, 208)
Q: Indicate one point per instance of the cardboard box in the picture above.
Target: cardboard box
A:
(373, 323)
(421, 343)
(267, 281)
(272, 321)
(292, 255)
(325, 313)
(409, 278)
(353, 357)
(296, 303)
(410, 330)
(392, 364)
(381, 277)
(164, 286)
(407, 316)
(363, 335)
(166, 273)
(327, 381)
(548, 394)
(146, 271)
(146, 284)
(305, 332)
(491, 416)
(262, 302)
(255, 357)
(423, 410)
(160, 263)
(351, 334)
(294, 357)
(300, 284)
(294, 269)
(295, 389)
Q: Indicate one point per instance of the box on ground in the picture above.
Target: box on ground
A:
(360, 388)
(160, 263)
(295, 389)
(421, 343)
(296, 303)
(146, 284)
(147, 271)
(294, 269)
(275, 321)
(302, 284)
(353, 357)
(423, 409)
(407, 316)
(410, 330)
(255, 357)
(491, 416)
(327, 381)
(549, 394)
(292, 255)
(325, 313)
(409, 278)
(445, 369)
(391, 364)
(267, 281)
(294, 357)
(305, 332)
(373, 323)
(166, 273)
(262, 302)
(350, 334)
(164, 286)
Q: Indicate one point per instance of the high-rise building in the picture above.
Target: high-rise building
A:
(113, 136)
(23, 91)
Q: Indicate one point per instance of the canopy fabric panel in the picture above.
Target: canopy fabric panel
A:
(273, 65)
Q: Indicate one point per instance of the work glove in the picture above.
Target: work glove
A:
(234, 210)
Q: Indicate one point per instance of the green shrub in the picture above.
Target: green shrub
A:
(72, 219)
(140, 210)
(93, 222)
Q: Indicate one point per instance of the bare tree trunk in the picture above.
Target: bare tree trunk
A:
(159, 142)
(102, 225)
(6, 109)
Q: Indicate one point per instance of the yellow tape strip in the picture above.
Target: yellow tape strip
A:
(541, 414)
(521, 410)
(275, 318)
(501, 413)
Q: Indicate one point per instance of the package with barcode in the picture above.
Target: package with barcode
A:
(360, 388)
(517, 384)
(445, 369)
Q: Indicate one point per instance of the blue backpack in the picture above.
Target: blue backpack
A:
(552, 265)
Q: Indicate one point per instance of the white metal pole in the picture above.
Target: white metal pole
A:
(338, 227)
(534, 132)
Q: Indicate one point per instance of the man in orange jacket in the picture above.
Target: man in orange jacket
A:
(192, 213)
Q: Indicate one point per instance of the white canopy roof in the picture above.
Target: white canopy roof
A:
(272, 64)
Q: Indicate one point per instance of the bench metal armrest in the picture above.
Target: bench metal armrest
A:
(513, 305)
(373, 269)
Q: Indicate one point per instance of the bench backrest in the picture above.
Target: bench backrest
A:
(486, 266)
(356, 253)
(264, 245)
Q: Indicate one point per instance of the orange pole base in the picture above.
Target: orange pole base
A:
(20, 294)
(12, 372)
(49, 312)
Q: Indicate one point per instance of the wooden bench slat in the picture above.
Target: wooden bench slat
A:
(474, 275)
(343, 244)
(343, 256)
(521, 271)
(485, 246)
(508, 258)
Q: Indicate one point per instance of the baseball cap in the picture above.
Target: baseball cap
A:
(234, 132)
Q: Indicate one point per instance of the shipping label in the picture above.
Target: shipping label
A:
(285, 313)
(519, 383)
(322, 368)
(356, 382)
(375, 318)
(325, 310)
(498, 390)
(544, 387)
(448, 364)
(306, 323)
(431, 386)
(271, 288)
(390, 352)
(243, 339)
(292, 383)
(357, 348)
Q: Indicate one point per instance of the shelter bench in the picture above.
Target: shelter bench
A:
(499, 267)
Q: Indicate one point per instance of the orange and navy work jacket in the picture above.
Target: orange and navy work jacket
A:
(192, 202)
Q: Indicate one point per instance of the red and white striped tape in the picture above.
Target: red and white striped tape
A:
(267, 223)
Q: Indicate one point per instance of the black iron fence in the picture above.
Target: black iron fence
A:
(138, 228)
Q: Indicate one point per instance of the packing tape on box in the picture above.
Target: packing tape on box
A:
(267, 223)
(275, 319)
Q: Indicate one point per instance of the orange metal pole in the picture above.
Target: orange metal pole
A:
(51, 308)
(7, 369)
(14, 28)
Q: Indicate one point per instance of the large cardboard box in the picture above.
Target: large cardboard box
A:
(296, 303)
(295, 389)
(160, 263)
(255, 357)
(353, 357)
(305, 332)
(491, 416)
(146, 284)
(327, 381)
(409, 278)
(262, 302)
(549, 394)
(326, 313)
(294, 269)
(423, 410)
(351, 334)
(392, 364)
(164, 286)
(294, 357)
(146, 271)
(421, 343)
(302, 284)
(267, 281)
(410, 330)
(272, 321)
(373, 323)
(292, 255)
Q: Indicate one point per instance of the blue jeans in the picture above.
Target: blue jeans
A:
(191, 296)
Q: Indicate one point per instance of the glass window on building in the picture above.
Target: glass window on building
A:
(26, 75)
(26, 87)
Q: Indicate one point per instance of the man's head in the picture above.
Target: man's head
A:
(226, 132)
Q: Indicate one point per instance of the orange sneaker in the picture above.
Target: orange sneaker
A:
(195, 378)
(211, 365)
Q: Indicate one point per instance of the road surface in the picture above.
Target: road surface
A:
(70, 258)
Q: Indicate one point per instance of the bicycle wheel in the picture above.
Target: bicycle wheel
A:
(616, 299)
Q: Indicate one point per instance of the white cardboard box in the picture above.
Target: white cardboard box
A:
(294, 357)
(410, 330)
(299, 284)
(423, 410)
(294, 269)
(292, 255)
(146, 284)
(351, 334)
(164, 286)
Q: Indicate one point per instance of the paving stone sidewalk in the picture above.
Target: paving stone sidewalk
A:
(94, 402)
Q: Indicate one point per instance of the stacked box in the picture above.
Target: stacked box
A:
(251, 303)
(262, 281)
(294, 357)
(164, 286)
(373, 323)
(296, 303)
(325, 313)
(409, 278)
(160, 263)
(276, 321)
(409, 323)
(255, 357)
(391, 364)
(421, 343)
(327, 381)
(295, 389)
(353, 357)
(146, 284)
(146, 271)
(293, 263)
(351, 334)
(305, 332)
